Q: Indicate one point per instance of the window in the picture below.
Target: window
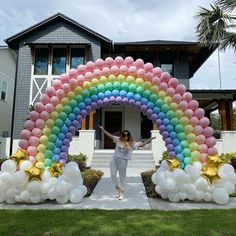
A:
(41, 61)
(167, 68)
(59, 61)
(77, 57)
(146, 127)
(4, 91)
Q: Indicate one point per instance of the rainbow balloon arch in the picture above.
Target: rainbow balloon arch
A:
(39, 169)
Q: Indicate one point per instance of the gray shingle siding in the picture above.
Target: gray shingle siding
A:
(60, 32)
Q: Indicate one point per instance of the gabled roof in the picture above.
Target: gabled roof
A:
(14, 40)
(157, 42)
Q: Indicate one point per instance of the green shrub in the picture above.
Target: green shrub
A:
(91, 178)
(148, 184)
(80, 159)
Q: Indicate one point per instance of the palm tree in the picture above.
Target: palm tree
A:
(217, 25)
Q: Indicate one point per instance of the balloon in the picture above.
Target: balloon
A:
(180, 89)
(39, 123)
(212, 151)
(8, 166)
(23, 143)
(208, 131)
(210, 142)
(220, 196)
(33, 141)
(39, 107)
(199, 113)
(177, 98)
(99, 63)
(36, 132)
(193, 121)
(29, 124)
(173, 82)
(193, 104)
(25, 134)
(43, 115)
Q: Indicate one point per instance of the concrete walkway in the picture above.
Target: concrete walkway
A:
(103, 197)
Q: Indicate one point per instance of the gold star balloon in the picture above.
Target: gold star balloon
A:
(34, 173)
(19, 156)
(173, 164)
(56, 169)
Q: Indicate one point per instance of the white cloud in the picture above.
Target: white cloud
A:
(125, 20)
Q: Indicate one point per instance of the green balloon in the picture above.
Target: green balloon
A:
(86, 93)
(73, 104)
(170, 115)
(117, 85)
(186, 152)
(48, 153)
(181, 136)
(50, 145)
(174, 121)
(146, 93)
(101, 88)
(125, 86)
(59, 123)
(55, 130)
(52, 138)
(165, 108)
(62, 116)
(188, 160)
(153, 97)
(139, 90)
(184, 144)
(67, 109)
(159, 102)
(193, 146)
(79, 99)
(132, 88)
(47, 162)
(109, 86)
(93, 90)
(179, 128)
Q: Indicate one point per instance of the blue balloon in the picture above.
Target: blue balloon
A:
(58, 143)
(61, 136)
(123, 93)
(108, 94)
(137, 97)
(169, 128)
(56, 157)
(82, 105)
(87, 101)
(68, 123)
(64, 129)
(144, 101)
(94, 97)
(101, 96)
(182, 164)
(57, 150)
(179, 157)
(72, 116)
(178, 149)
(175, 141)
(130, 95)
(115, 93)
(76, 111)
(166, 121)
(161, 115)
(172, 135)
(156, 110)
(79, 98)
(150, 105)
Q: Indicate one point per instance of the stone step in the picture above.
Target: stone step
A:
(138, 166)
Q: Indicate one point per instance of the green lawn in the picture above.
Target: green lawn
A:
(122, 222)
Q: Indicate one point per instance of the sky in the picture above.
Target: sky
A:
(128, 20)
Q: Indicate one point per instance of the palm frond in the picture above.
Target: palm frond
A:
(227, 5)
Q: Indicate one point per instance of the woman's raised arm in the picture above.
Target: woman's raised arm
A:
(105, 132)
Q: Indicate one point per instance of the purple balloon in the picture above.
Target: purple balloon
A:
(84, 113)
(158, 122)
(172, 154)
(143, 108)
(125, 100)
(168, 141)
(64, 148)
(162, 128)
(66, 142)
(72, 129)
(94, 105)
(69, 135)
(75, 123)
(149, 112)
(88, 109)
(79, 118)
(132, 102)
(165, 135)
(119, 99)
(170, 147)
(99, 103)
(154, 116)
(106, 101)
(63, 161)
(63, 155)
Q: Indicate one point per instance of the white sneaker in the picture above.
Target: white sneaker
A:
(121, 196)
(117, 194)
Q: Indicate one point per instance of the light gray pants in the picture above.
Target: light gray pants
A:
(120, 165)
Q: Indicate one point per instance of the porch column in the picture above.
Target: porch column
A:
(83, 126)
(222, 111)
(229, 114)
(91, 120)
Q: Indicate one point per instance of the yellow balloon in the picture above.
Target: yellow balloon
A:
(174, 106)
(121, 78)
(167, 100)
(191, 137)
(130, 79)
(19, 156)
(59, 108)
(154, 89)
(193, 146)
(139, 81)
(50, 123)
(111, 78)
(78, 90)
(43, 139)
(147, 85)
(95, 82)
(195, 155)
(86, 85)
(41, 148)
(103, 79)
(188, 129)
(40, 165)
(56, 169)
(71, 95)
(54, 115)
(162, 94)
(179, 114)
(64, 102)
(34, 173)
(183, 121)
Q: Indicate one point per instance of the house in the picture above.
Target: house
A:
(7, 78)
(58, 43)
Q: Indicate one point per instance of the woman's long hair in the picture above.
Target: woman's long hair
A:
(126, 143)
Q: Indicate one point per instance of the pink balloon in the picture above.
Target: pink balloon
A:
(132, 70)
(180, 89)
(199, 113)
(141, 73)
(163, 86)
(25, 134)
(210, 142)
(139, 63)
(81, 69)
(97, 72)
(39, 123)
(165, 77)
(189, 113)
(157, 71)
(156, 81)
(170, 91)
(212, 151)
(123, 69)
(36, 132)
(204, 157)
(88, 75)
(119, 61)
(33, 115)
(201, 139)
(183, 105)
(193, 121)
(34, 141)
(173, 82)
(90, 65)
(105, 71)
(56, 84)
(197, 130)
(64, 78)
(60, 93)
(29, 124)
(203, 148)
(54, 101)
(109, 62)
(32, 159)
(66, 87)
(99, 63)
(204, 122)
(148, 67)
(73, 83)
(149, 76)
(193, 104)
(50, 91)
(187, 96)
(23, 144)
(32, 150)
(208, 131)
(49, 108)
(80, 79)
(177, 98)
(44, 99)
(39, 107)
(44, 115)
(72, 72)
(129, 61)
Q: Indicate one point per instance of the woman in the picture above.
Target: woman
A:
(123, 152)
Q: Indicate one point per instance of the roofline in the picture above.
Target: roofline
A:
(47, 20)
(212, 90)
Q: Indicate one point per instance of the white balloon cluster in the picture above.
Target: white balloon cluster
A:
(189, 184)
(15, 187)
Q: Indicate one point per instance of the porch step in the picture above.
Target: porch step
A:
(142, 159)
